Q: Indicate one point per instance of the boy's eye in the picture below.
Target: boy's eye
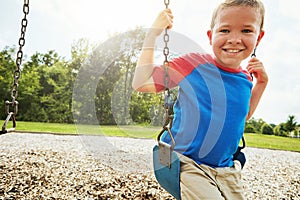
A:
(224, 31)
(247, 31)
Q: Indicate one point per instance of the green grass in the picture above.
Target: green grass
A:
(58, 128)
(46, 127)
(272, 142)
(252, 140)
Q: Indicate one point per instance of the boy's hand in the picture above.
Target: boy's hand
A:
(256, 68)
(164, 20)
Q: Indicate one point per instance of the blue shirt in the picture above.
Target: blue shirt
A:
(211, 108)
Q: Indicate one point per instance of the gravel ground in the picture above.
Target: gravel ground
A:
(45, 166)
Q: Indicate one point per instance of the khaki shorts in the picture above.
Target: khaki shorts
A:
(204, 182)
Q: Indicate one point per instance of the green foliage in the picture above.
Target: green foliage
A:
(284, 129)
(266, 129)
(279, 130)
(146, 108)
(102, 90)
(249, 128)
(7, 66)
(291, 124)
(254, 125)
(44, 87)
(289, 128)
(296, 133)
(48, 83)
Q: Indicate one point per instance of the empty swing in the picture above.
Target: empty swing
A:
(11, 107)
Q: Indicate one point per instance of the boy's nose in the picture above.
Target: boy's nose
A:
(234, 39)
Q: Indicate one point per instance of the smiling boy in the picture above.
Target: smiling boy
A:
(216, 97)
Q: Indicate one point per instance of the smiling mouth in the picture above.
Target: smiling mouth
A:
(233, 50)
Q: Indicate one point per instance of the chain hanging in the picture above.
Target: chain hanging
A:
(168, 103)
(165, 149)
(166, 51)
(253, 55)
(17, 73)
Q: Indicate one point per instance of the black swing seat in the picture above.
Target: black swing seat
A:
(239, 155)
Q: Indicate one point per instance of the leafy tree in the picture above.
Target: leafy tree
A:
(147, 108)
(7, 67)
(249, 128)
(79, 51)
(29, 89)
(256, 124)
(296, 132)
(103, 89)
(279, 130)
(44, 89)
(291, 124)
(131, 42)
(266, 129)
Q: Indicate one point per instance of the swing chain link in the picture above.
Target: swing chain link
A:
(168, 103)
(17, 73)
(167, 2)
(166, 52)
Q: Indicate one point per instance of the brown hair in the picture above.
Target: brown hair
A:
(230, 3)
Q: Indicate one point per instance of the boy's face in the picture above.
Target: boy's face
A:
(235, 35)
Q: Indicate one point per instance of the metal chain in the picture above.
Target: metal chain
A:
(253, 55)
(168, 103)
(166, 53)
(167, 2)
(164, 149)
(17, 73)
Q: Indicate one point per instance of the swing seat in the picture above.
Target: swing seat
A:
(240, 156)
(168, 176)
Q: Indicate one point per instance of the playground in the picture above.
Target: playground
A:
(86, 166)
(48, 166)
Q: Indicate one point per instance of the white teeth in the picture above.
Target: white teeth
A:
(232, 51)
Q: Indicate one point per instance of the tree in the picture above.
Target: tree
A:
(279, 130)
(131, 42)
(7, 66)
(249, 128)
(102, 89)
(44, 89)
(256, 124)
(30, 87)
(266, 129)
(291, 124)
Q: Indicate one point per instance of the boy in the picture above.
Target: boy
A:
(215, 97)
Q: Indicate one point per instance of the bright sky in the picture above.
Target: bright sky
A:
(56, 24)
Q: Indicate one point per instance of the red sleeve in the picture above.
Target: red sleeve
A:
(178, 69)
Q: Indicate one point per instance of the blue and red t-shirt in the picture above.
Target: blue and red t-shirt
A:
(211, 108)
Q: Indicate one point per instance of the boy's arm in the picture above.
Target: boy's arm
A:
(256, 67)
(142, 80)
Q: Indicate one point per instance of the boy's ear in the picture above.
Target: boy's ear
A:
(209, 34)
(260, 36)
